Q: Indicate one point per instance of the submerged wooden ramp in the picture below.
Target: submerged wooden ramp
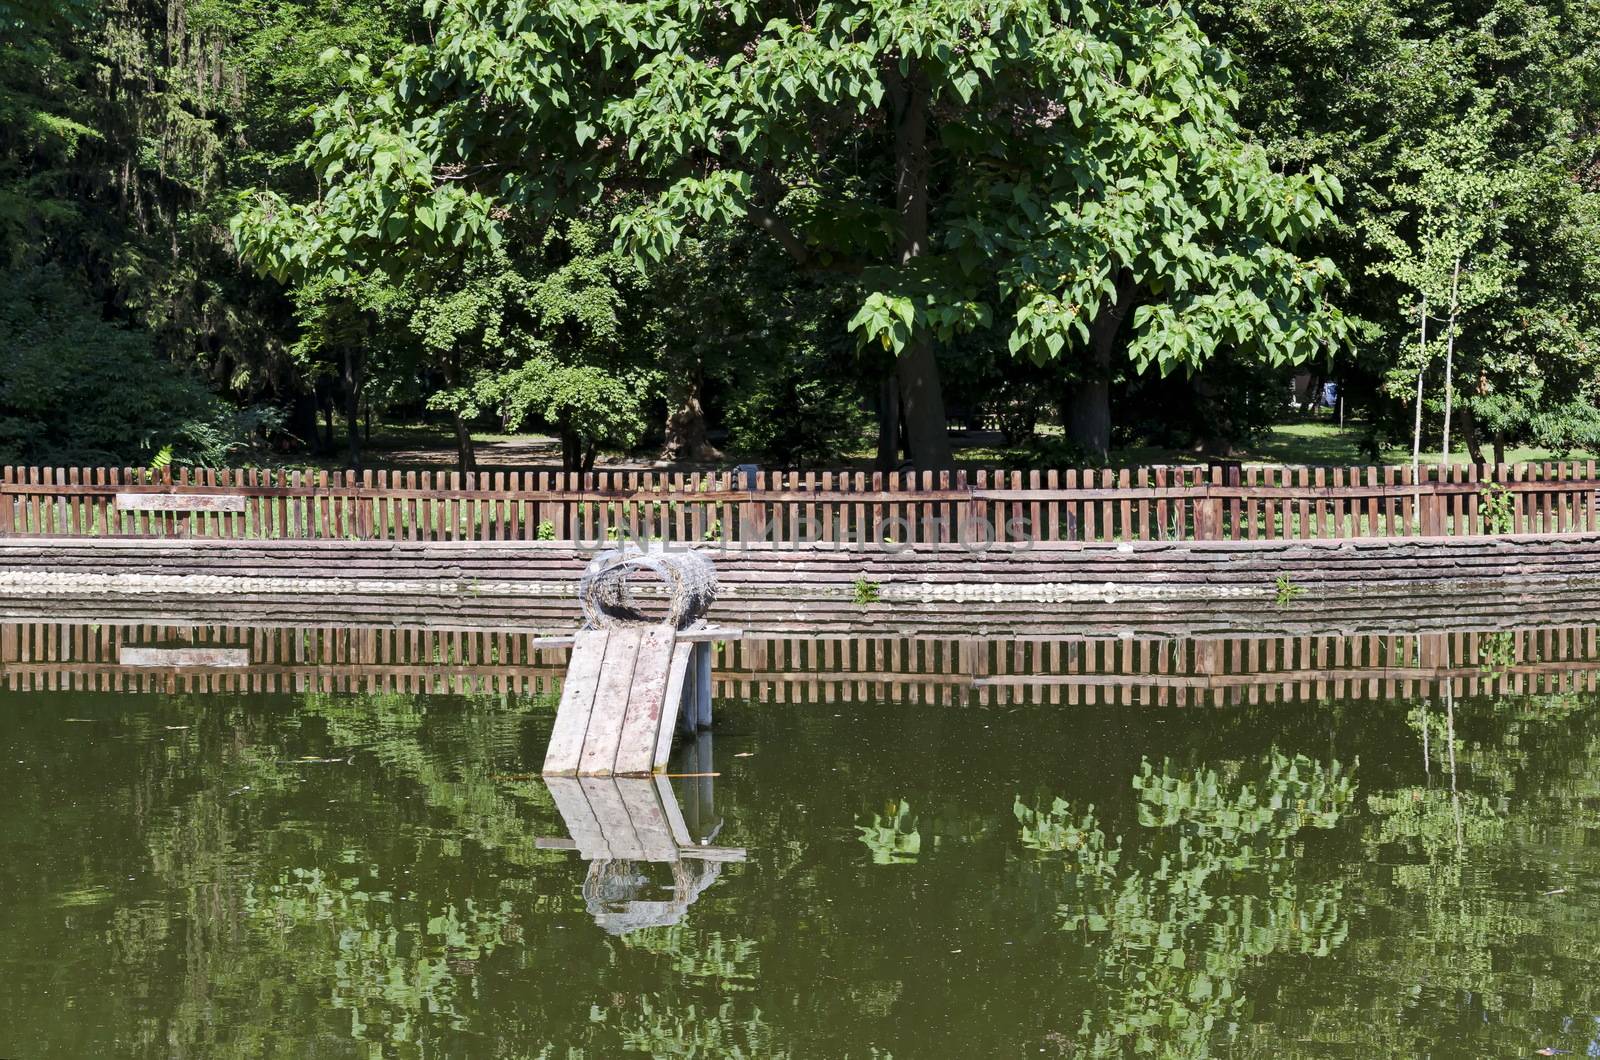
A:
(627, 691)
(623, 827)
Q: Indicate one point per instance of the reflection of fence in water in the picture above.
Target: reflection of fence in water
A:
(284, 659)
(1144, 671)
(1159, 671)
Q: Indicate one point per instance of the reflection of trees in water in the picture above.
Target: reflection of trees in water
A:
(724, 1032)
(397, 954)
(1478, 869)
(453, 761)
(390, 964)
(701, 1031)
(1185, 917)
(1178, 915)
(704, 956)
(398, 964)
(893, 836)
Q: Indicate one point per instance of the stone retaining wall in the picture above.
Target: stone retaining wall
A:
(1042, 571)
(1256, 615)
(820, 570)
(1096, 589)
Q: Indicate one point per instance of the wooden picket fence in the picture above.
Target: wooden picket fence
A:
(785, 508)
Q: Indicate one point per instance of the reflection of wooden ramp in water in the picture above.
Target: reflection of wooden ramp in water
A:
(621, 826)
(624, 694)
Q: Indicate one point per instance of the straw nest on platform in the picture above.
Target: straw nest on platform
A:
(610, 599)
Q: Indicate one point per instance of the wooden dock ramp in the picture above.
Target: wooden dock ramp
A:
(627, 691)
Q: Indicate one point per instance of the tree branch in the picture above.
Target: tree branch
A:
(775, 227)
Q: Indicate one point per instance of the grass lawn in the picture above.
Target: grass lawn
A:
(1323, 442)
(432, 447)
(1311, 442)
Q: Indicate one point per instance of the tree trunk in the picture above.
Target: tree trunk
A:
(571, 444)
(466, 455)
(1216, 436)
(303, 420)
(686, 422)
(888, 424)
(1422, 367)
(327, 422)
(917, 372)
(922, 407)
(1088, 406)
(1469, 434)
(1449, 362)
(1089, 409)
(1499, 448)
(352, 404)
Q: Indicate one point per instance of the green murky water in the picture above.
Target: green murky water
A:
(330, 876)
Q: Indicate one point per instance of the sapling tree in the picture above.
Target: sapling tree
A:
(1444, 244)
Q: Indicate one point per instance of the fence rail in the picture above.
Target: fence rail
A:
(1220, 502)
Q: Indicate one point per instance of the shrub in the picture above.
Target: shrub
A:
(75, 389)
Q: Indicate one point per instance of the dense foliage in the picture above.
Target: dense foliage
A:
(674, 226)
(75, 389)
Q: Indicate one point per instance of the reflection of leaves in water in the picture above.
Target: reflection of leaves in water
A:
(403, 974)
(84, 897)
(392, 970)
(731, 964)
(1433, 821)
(1476, 867)
(724, 1033)
(1295, 793)
(892, 836)
(1058, 830)
(695, 1032)
(1175, 923)
(1497, 652)
(447, 754)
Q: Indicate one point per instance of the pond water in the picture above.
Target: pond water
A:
(331, 875)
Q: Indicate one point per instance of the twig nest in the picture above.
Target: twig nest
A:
(608, 600)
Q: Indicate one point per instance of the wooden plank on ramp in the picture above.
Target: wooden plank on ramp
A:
(636, 750)
(577, 703)
(626, 692)
(671, 703)
(600, 743)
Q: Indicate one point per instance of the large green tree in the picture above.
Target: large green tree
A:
(1051, 169)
